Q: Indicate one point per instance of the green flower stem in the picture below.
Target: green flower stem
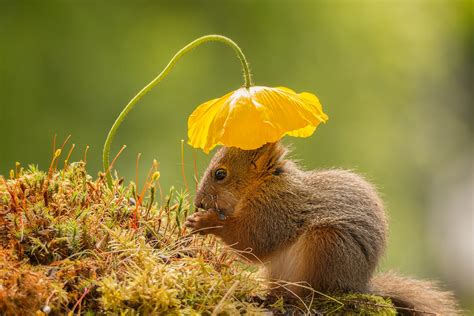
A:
(154, 82)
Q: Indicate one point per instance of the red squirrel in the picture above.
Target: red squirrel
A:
(326, 228)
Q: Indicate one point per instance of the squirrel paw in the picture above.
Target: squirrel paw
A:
(204, 222)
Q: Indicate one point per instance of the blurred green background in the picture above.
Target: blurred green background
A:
(395, 78)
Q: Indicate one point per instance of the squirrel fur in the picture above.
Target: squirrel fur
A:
(326, 228)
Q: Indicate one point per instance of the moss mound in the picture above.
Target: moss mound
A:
(68, 244)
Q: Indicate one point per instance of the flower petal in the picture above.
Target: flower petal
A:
(302, 132)
(250, 118)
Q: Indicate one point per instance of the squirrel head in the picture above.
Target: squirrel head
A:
(233, 171)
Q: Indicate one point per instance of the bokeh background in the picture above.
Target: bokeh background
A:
(395, 78)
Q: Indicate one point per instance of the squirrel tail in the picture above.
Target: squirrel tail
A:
(414, 297)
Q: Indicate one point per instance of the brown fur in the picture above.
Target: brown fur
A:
(423, 296)
(326, 228)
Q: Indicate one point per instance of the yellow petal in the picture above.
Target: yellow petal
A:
(302, 132)
(250, 118)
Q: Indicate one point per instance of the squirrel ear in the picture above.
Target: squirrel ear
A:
(269, 157)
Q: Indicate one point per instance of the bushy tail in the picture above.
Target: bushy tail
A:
(414, 297)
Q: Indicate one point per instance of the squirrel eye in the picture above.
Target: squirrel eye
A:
(220, 174)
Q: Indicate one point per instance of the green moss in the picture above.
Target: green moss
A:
(70, 244)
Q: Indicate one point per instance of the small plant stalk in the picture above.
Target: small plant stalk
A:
(208, 38)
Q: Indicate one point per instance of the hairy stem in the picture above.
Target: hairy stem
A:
(163, 74)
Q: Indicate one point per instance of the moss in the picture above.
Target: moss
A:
(69, 244)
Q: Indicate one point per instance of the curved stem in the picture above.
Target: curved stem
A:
(154, 82)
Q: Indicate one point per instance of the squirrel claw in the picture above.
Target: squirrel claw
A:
(203, 222)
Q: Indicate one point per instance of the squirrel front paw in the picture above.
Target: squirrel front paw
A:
(204, 222)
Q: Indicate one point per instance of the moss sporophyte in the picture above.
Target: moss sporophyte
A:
(246, 118)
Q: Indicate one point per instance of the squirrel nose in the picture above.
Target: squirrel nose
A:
(199, 199)
(198, 203)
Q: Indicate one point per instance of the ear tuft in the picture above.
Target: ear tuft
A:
(269, 157)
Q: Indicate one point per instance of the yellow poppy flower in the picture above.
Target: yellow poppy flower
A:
(250, 118)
